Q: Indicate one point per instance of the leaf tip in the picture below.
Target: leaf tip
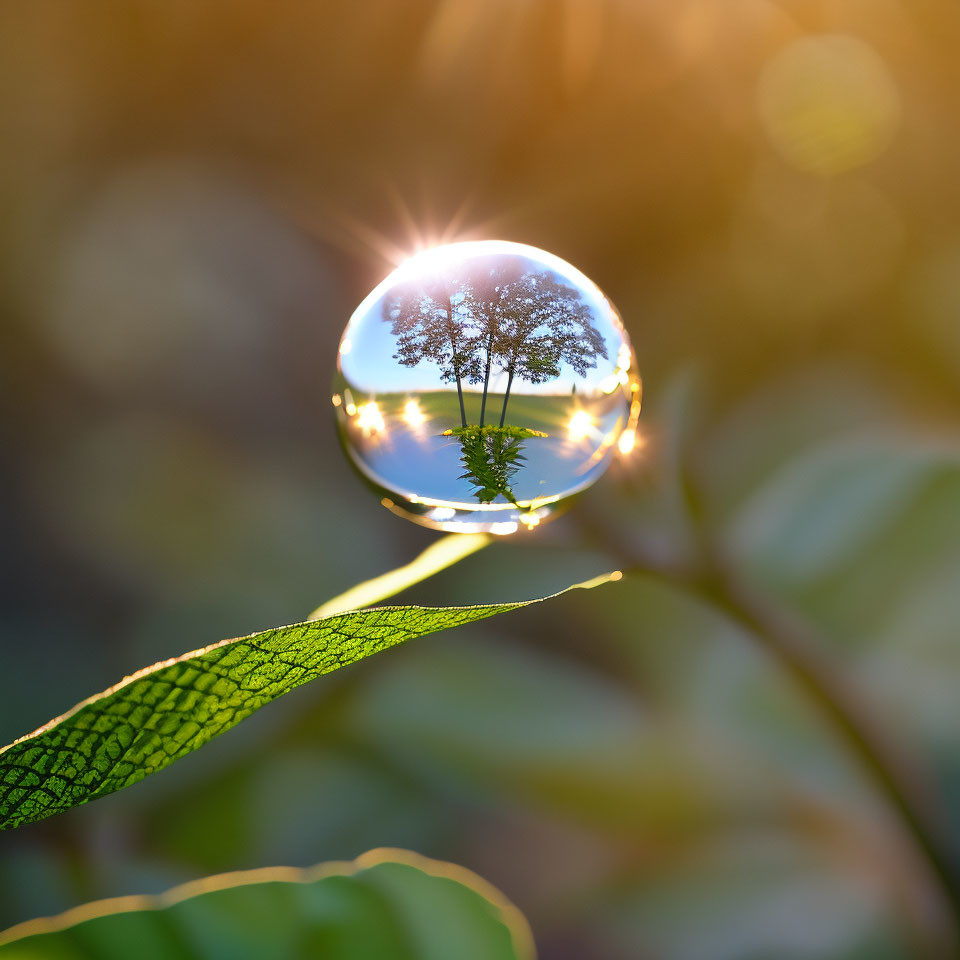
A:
(612, 577)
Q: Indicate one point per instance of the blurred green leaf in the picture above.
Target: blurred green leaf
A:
(826, 505)
(848, 529)
(783, 419)
(145, 722)
(503, 721)
(387, 903)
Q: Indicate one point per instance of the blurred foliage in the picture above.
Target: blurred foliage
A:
(386, 904)
(196, 196)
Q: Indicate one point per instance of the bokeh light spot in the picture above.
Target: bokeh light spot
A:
(829, 104)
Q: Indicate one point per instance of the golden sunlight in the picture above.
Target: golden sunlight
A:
(413, 415)
(580, 425)
(369, 418)
(627, 441)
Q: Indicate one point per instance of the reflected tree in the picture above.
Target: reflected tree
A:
(545, 325)
(491, 460)
(492, 456)
(430, 323)
(493, 316)
(489, 294)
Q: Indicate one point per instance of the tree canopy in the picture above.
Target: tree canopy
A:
(494, 314)
(429, 323)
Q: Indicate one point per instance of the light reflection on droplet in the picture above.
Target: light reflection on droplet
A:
(627, 441)
(531, 519)
(349, 407)
(413, 415)
(482, 385)
(580, 425)
(370, 419)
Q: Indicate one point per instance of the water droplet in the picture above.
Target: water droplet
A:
(482, 384)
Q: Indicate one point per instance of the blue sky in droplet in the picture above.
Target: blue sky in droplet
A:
(370, 365)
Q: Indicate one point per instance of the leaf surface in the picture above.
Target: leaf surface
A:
(388, 903)
(142, 724)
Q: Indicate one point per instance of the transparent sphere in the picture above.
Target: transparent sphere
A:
(482, 384)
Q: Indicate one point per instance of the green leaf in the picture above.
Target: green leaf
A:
(826, 506)
(847, 530)
(498, 720)
(387, 903)
(142, 724)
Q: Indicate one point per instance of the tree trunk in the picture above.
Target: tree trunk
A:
(506, 397)
(486, 380)
(456, 364)
(463, 412)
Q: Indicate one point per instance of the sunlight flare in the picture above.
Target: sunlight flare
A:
(580, 426)
(370, 419)
(413, 416)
